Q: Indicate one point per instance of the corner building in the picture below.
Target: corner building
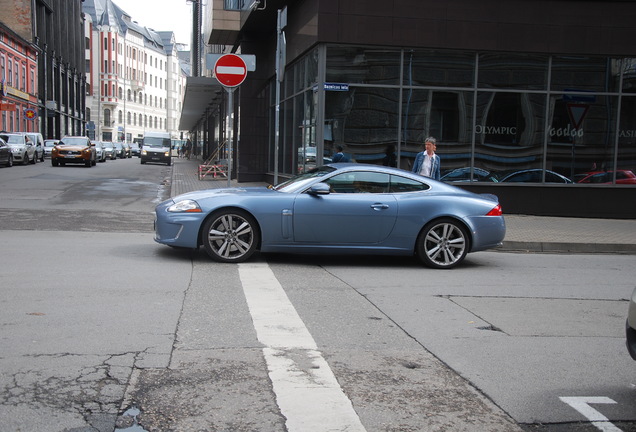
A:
(545, 89)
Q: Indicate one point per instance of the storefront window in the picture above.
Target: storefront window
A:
(513, 71)
(506, 127)
(363, 120)
(627, 141)
(573, 73)
(436, 68)
(363, 65)
(509, 132)
(581, 137)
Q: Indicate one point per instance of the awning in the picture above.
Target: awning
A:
(202, 95)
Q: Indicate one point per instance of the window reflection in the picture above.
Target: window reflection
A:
(542, 118)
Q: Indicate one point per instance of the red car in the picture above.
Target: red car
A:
(597, 177)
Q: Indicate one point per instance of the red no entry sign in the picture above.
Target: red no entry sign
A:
(230, 70)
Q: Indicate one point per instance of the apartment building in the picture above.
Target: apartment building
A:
(41, 68)
(135, 82)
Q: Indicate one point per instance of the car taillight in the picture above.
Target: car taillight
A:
(496, 211)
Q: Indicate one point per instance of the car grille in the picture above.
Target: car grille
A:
(70, 152)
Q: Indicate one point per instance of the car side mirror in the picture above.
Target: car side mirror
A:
(320, 189)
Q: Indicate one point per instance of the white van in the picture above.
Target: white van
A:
(156, 148)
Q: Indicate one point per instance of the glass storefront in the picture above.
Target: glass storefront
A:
(497, 117)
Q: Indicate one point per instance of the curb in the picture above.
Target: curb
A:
(564, 247)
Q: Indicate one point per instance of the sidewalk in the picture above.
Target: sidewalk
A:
(524, 233)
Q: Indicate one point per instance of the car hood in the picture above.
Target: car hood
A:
(234, 191)
(71, 147)
(15, 145)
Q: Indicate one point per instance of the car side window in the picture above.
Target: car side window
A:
(359, 182)
(401, 184)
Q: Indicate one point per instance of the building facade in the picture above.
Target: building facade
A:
(18, 83)
(135, 80)
(524, 97)
(46, 82)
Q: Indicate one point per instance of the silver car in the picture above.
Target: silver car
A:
(21, 146)
(336, 209)
(100, 154)
(109, 150)
(48, 147)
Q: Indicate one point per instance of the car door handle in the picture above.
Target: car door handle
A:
(379, 206)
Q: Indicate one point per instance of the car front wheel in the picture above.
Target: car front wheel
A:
(230, 236)
(442, 244)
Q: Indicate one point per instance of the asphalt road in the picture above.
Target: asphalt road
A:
(102, 328)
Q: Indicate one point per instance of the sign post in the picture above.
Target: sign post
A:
(230, 70)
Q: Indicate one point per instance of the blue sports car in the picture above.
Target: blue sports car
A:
(336, 209)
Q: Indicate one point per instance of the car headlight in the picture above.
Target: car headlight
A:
(185, 206)
(144, 152)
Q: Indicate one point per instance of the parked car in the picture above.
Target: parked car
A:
(630, 328)
(119, 150)
(21, 146)
(48, 147)
(156, 148)
(126, 149)
(100, 154)
(135, 150)
(6, 155)
(528, 176)
(463, 175)
(38, 141)
(336, 209)
(600, 177)
(74, 149)
(109, 150)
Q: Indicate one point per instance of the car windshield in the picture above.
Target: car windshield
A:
(73, 141)
(297, 183)
(13, 139)
(156, 142)
(49, 143)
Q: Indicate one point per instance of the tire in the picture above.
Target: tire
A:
(88, 163)
(10, 161)
(443, 244)
(230, 236)
(25, 159)
(42, 157)
(54, 162)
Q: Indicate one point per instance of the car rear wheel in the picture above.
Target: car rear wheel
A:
(230, 236)
(442, 244)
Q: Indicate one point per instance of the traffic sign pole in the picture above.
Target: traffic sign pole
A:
(230, 70)
(229, 131)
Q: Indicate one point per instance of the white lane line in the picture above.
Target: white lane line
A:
(307, 391)
(582, 405)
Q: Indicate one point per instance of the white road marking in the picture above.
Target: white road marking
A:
(581, 404)
(306, 389)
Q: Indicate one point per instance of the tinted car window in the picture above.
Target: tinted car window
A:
(359, 182)
(401, 184)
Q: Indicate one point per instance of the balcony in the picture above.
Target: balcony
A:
(137, 85)
(226, 22)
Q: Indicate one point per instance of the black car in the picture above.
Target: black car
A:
(6, 155)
